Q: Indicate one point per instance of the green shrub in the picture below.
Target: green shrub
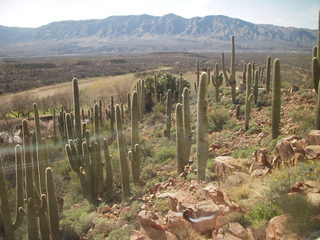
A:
(303, 216)
(161, 205)
(280, 181)
(218, 118)
(305, 120)
(262, 212)
(122, 233)
(244, 153)
(164, 154)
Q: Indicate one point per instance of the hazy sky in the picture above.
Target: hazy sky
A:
(34, 13)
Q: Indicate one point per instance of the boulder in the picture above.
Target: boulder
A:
(151, 227)
(226, 165)
(276, 230)
(237, 230)
(313, 137)
(218, 196)
(313, 151)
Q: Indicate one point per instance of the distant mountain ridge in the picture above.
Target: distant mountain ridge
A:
(145, 33)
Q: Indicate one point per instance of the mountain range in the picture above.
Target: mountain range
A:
(145, 33)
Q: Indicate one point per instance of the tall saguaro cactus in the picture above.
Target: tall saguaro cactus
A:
(124, 169)
(202, 127)
(268, 74)
(168, 113)
(135, 138)
(276, 99)
(52, 204)
(231, 78)
(180, 139)
(76, 109)
(249, 96)
(217, 82)
(186, 122)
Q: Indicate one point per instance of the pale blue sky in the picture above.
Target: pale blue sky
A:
(34, 13)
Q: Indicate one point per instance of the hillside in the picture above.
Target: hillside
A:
(145, 33)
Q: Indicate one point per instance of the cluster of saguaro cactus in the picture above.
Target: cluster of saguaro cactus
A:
(168, 113)
(141, 94)
(231, 77)
(196, 84)
(183, 131)
(249, 96)
(276, 99)
(202, 126)
(40, 206)
(217, 82)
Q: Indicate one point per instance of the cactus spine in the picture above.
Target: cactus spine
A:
(231, 79)
(202, 127)
(217, 82)
(135, 138)
(124, 169)
(168, 113)
(276, 99)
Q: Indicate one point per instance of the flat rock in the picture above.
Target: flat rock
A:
(276, 230)
(226, 165)
(313, 151)
(237, 230)
(313, 137)
(314, 198)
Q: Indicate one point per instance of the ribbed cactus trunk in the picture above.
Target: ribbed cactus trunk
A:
(256, 87)
(168, 113)
(202, 127)
(217, 82)
(186, 122)
(231, 79)
(276, 99)
(249, 97)
(124, 169)
(108, 168)
(180, 138)
(155, 89)
(135, 139)
(198, 75)
(112, 114)
(76, 109)
(315, 73)
(4, 207)
(52, 204)
(268, 74)
(317, 123)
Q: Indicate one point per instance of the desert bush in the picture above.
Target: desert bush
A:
(282, 179)
(218, 118)
(303, 216)
(164, 154)
(122, 233)
(261, 213)
(305, 120)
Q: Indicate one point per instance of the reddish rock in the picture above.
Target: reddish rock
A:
(313, 137)
(151, 227)
(237, 230)
(313, 151)
(218, 196)
(276, 230)
(106, 208)
(229, 236)
(226, 165)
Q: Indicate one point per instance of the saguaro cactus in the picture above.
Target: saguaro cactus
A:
(52, 204)
(276, 99)
(202, 127)
(168, 113)
(186, 122)
(108, 167)
(180, 139)
(249, 97)
(268, 72)
(135, 138)
(231, 79)
(124, 169)
(76, 109)
(217, 82)
(256, 87)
